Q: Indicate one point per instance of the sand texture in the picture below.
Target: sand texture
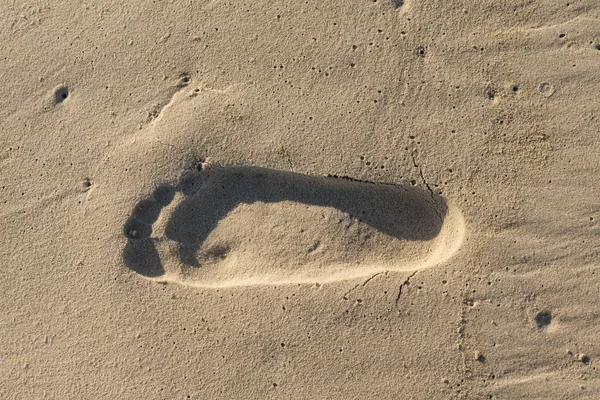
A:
(209, 199)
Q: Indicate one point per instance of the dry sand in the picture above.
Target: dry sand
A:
(300, 200)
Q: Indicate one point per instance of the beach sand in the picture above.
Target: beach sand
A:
(300, 200)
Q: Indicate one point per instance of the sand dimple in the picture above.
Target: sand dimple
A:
(240, 225)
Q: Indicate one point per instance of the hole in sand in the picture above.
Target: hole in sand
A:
(543, 319)
(61, 93)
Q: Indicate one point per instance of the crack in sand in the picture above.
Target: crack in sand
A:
(402, 285)
(425, 183)
(345, 297)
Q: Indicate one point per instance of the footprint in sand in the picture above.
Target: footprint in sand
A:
(242, 225)
(232, 225)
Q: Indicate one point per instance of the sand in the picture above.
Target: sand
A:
(300, 200)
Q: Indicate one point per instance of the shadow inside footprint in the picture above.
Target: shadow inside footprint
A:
(142, 257)
(399, 211)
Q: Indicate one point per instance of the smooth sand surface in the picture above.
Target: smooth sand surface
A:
(300, 200)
